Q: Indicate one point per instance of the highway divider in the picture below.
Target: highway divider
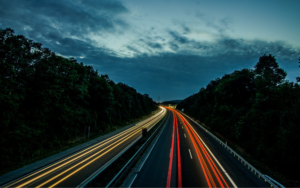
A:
(120, 176)
(102, 176)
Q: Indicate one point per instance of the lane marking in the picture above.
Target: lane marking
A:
(234, 185)
(210, 162)
(184, 135)
(190, 154)
(202, 163)
(182, 127)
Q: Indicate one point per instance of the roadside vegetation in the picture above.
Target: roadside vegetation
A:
(258, 110)
(47, 100)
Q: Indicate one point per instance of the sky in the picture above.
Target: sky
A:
(168, 49)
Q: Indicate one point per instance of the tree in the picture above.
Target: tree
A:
(46, 100)
(257, 109)
(268, 71)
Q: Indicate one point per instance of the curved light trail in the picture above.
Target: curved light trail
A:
(212, 174)
(58, 172)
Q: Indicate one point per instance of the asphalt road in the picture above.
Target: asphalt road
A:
(155, 170)
(186, 156)
(75, 169)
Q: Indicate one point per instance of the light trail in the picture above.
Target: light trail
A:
(115, 140)
(211, 163)
(171, 157)
(198, 155)
(231, 181)
(208, 158)
(210, 177)
(95, 148)
(205, 169)
(179, 156)
(111, 146)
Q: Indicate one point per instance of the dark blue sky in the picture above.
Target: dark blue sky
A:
(163, 48)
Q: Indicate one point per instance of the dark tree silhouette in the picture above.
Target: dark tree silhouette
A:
(46, 100)
(256, 109)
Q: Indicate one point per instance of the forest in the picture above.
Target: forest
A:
(256, 108)
(47, 100)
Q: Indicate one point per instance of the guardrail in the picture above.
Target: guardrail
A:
(133, 159)
(272, 182)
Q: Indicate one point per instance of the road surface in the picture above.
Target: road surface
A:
(186, 156)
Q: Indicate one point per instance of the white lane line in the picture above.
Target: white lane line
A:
(190, 154)
(182, 127)
(234, 185)
(184, 135)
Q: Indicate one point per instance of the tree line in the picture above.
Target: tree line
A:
(47, 100)
(256, 108)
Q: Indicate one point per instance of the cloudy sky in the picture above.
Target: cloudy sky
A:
(165, 48)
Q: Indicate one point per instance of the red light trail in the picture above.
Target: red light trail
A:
(211, 173)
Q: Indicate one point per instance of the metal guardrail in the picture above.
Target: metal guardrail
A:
(272, 182)
(131, 161)
(275, 182)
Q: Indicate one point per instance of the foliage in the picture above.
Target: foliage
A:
(257, 109)
(46, 100)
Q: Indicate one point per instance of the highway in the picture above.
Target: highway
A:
(78, 168)
(187, 156)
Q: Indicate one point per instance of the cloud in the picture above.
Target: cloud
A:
(172, 61)
(154, 45)
(186, 30)
(108, 6)
(133, 49)
(222, 26)
(178, 38)
(71, 23)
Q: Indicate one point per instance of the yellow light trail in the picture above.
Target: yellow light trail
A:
(86, 163)
(96, 146)
(124, 139)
